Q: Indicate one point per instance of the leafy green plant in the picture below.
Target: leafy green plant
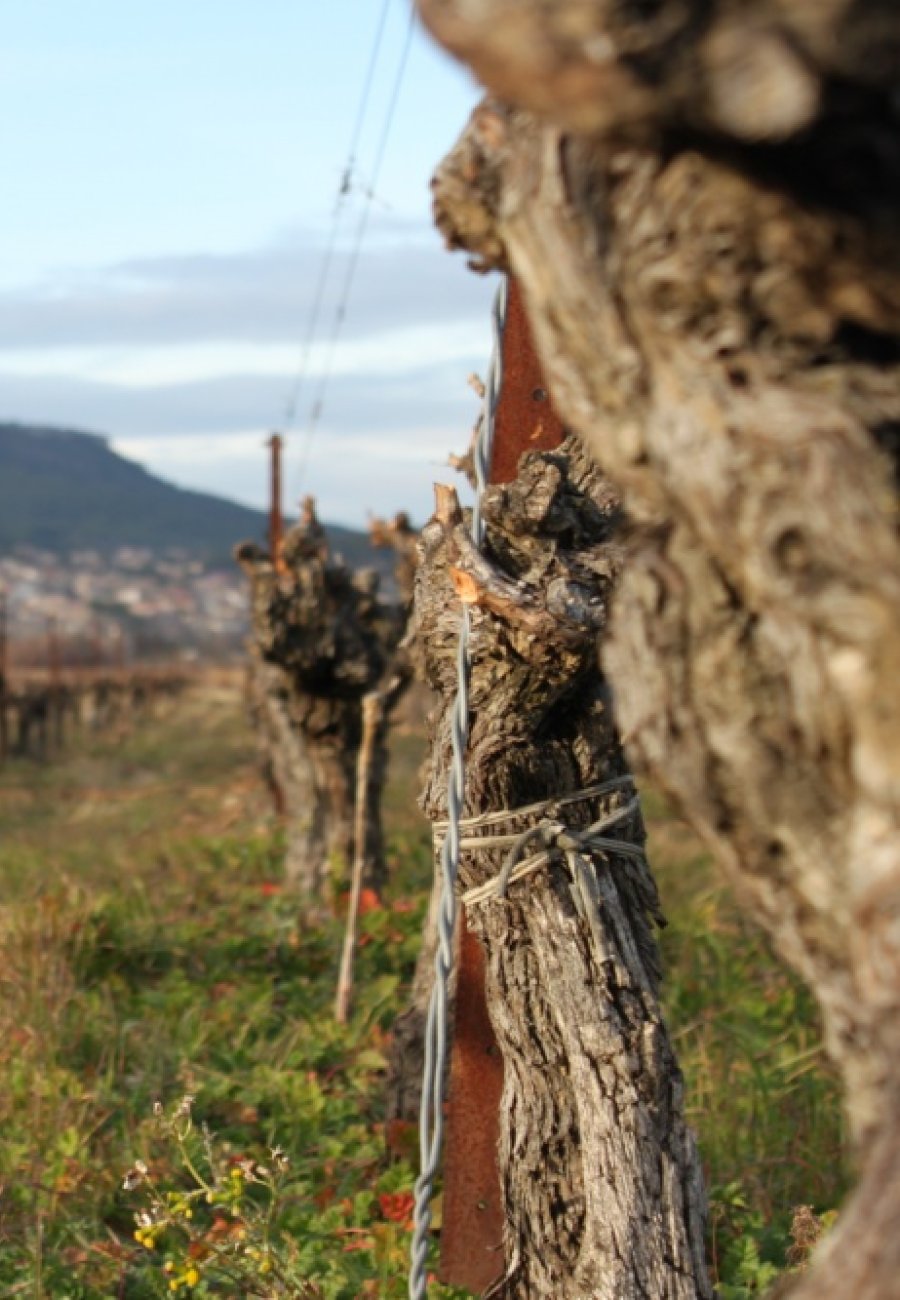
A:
(223, 1224)
(216, 1221)
(150, 951)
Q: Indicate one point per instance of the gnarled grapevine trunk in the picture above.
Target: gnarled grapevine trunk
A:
(289, 773)
(600, 1175)
(322, 639)
(720, 321)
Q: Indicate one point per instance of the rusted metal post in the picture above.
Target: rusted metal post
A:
(525, 419)
(472, 1221)
(276, 519)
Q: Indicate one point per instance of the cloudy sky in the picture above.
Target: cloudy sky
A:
(171, 174)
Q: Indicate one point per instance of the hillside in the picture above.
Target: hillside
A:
(63, 490)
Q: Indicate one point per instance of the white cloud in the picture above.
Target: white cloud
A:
(350, 479)
(187, 361)
(259, 296)
(433, 394)
(158, 365)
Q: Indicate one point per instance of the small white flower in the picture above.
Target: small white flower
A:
(134, 1176)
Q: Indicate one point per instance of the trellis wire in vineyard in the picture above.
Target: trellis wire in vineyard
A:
(346, 186)
(431, 1118)
(340, 314)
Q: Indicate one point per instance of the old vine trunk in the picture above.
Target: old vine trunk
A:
(321, 640)
(700, 202)
(600, 1175)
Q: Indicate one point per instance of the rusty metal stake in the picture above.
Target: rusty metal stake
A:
(472, 1220)
(276, 519)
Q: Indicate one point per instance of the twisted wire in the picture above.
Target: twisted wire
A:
(431, 1115)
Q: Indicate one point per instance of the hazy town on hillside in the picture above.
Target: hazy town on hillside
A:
(129, 604)
(118, 564)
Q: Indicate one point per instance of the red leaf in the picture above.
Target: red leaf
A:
(397, 1207)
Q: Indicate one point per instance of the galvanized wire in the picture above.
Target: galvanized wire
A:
(437, 1026)
(345, 189)
(340, 313)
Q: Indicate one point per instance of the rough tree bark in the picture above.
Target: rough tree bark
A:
(714, 285)
(322, 639)
(289, 774)
(723, 67)
(600, 1175)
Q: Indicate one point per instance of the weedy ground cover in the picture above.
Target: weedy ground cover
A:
(165, 1022)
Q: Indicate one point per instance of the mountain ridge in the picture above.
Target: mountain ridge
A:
(63, 490)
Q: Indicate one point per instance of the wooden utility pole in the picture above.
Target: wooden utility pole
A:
(276, 518)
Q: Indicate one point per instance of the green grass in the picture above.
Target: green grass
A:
(148, 953)
(761, 1097)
